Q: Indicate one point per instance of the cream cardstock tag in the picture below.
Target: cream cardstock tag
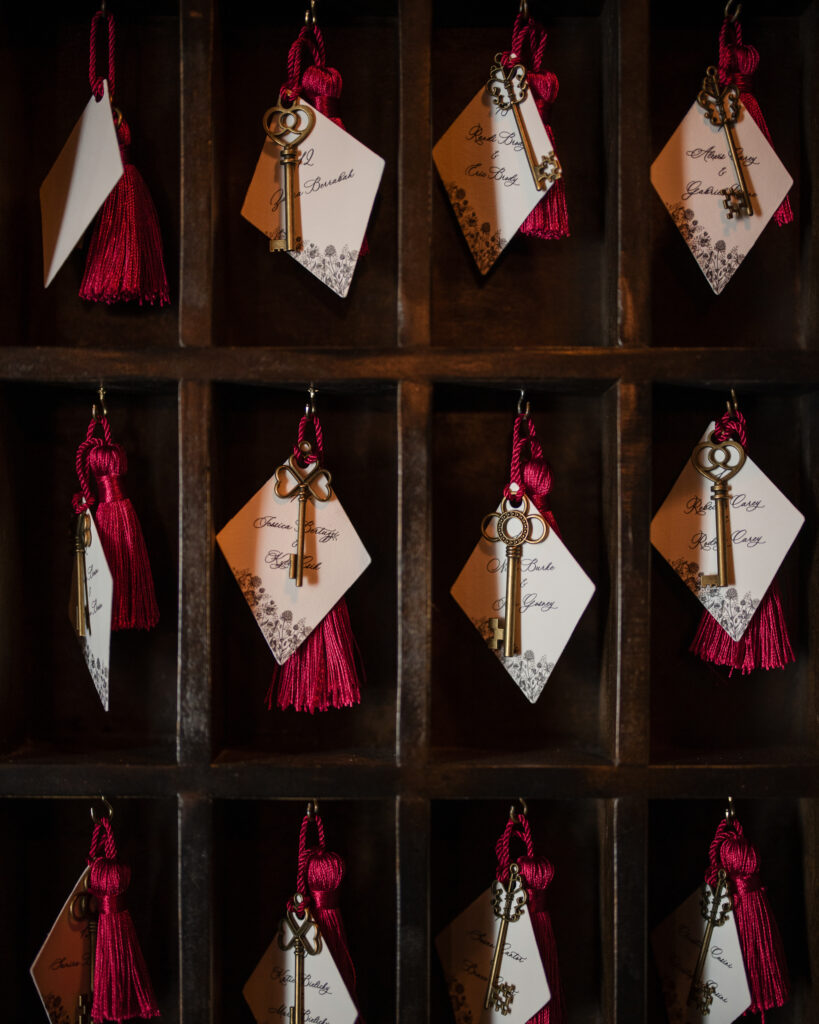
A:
(554, 592)
(80, 181)
(691, 172)
(96, 644)
(483, 165)
(62, 969)
(257, 543)
(762, 526)
(337, 179)
(676, 944)
(269, 991)
(465, 950)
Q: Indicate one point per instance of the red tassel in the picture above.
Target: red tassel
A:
(122, 987)
(765, 643)
(125, 260)
(134, 605)
(125, 252)
(322, 672)
(737, 63)
(762, 949)
(325, 872)
(549, 220)
(537, 873)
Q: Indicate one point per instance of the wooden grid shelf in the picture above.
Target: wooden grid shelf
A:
(627, 758)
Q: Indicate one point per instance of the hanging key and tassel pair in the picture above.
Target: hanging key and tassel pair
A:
(103, 974)
(310, 933)
(125, 261)
(100, 458)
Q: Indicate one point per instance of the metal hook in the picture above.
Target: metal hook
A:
(733, 17)
(730, 814)
(514, 817)
(109, 809)
(312, 808)
(521, 411)
(733, 407)
(524, 8)
(104, 411)
(310, 408)
(310, 13)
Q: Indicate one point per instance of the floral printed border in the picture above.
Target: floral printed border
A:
(98, 671)
(484, 244)
(731, 611)
(529, 673)
(716, 260)
(282, 633)
(331, 267)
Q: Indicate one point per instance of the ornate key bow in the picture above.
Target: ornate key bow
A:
(313, 481)
(287, 127)
(722, 108)
(514, 529)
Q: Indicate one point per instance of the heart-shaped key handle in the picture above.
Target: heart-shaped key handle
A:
(723, 459)
(288, 126)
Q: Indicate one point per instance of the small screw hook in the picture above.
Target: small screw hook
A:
(310, 408)
(310, 13)
(312, 808)
(730, 814)
(524, 412)
(733, 407)
(732, 16)
(109, 811)
(514, 816)
(524, 8)
(103, 410)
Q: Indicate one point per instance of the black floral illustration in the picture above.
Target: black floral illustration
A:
(716, 260)
(457, 997)
(486, 245)
(331, 267)
(730, 610)
(530, 673)
(281, 632)
(57, 1013)
(98, 670)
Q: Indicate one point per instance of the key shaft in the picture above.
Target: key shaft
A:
(534, 164)
(297, 559)
(494, 972)
(288, 160)
(732, 202)
(701, 994)
(719, 492)
(510, 632)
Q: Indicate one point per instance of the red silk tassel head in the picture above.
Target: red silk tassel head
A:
(737, 63)
(134, 603)
(322, 672)
(320, 875)
(537, 873)
(310, 76)
(765, 643)
(122, 987)
(125, 261)
(762, 949)
(550, 218)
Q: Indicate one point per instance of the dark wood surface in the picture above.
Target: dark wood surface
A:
(631, 751)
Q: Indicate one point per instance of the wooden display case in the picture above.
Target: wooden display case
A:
(629, 755)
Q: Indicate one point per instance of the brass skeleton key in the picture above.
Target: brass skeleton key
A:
(288, 127)
(719, 469)
(507, 904)
(82, 538)
(721, 108)
(520, 522)
(293, 479)
(303, 944)
(508, 90)
(84, 908)
(715, 906)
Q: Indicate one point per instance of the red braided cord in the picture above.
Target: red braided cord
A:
(94, 79)
(519, 442)
(518, 829)
(309, 38)
(318, 448)
(305, 853)
(86, 499)
(731, 424)
(102, 831)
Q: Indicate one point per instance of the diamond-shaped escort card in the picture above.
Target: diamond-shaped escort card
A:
(337, 179)
(482, 163)
(465, 949)
(99, 594)
(62, 969)
(689, 176)
(258, 542)
(270, 990)
(676, 944)
(762, 526)
(554, 592)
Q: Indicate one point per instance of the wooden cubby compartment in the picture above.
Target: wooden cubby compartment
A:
(630, 753)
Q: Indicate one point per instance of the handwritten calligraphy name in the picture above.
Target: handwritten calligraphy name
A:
(286, 977)
(311, 186)
(703, 542)
(493, 173)
(696, 188)
(709, 153)
(736, 501)
(502, 137)
(281, 560)
(484, 940)
(310, 1016)
(322, 534)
